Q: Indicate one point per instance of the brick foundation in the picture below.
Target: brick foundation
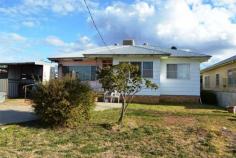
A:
(142, 99)
(171, 99)
(165, 99)
(179, 99)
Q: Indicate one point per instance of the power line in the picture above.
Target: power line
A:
(94, 24)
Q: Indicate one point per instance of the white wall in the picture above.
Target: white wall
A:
(180, 86)
(156, 71)
(46, 72)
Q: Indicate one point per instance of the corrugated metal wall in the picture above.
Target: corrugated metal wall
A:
(13, 88)
(4, 85)
(226, 98)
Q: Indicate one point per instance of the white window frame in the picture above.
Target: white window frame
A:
(178, 78)
(129, 62)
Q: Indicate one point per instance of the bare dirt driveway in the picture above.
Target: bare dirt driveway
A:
(15, 111)
(100, 106)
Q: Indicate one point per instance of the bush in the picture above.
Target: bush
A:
(208, 97)
(64, 102)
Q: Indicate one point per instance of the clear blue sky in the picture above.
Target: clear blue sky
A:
(37, 29)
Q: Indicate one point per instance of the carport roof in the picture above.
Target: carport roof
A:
(25, 63)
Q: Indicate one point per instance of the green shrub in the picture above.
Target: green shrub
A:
(63, 102)
(208, 97)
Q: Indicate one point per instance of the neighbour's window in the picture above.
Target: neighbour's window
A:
(3, 72)
(148, 69)
(139, 65)
(84, 73)
(178, 71)
(232, 78)
(207, 81)
(217, 80)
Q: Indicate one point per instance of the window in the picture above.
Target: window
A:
(84, 73)
(148, 69)
(217, 80)
(232, 78)
(171, 70)
(178, 71)
(139, 65)
(207, 81)
(145, 68)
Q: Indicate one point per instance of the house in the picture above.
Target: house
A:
(15, 75)
(220, 78)
(176, 72)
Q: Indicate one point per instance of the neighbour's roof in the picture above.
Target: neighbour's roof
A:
(221, 63)
(25, 63)
(114, 50)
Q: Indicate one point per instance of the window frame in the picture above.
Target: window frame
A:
(131, 61)
(217, 80)
(207, 84)
(177, 76)
(147, 69)
(233, 84)
(70, 72)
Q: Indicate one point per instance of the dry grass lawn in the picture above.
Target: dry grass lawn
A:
(148, 131)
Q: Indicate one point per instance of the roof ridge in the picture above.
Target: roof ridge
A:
(145, 47)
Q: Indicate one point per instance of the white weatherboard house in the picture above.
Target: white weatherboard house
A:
(176, 72)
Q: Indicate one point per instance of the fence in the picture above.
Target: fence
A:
(226, 98)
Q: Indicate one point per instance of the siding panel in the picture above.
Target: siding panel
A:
(156, 72)
(178, 86)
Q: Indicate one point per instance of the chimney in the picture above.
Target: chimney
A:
(128, 42)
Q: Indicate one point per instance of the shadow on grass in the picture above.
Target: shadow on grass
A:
(16, 116)
(36, 124)
(233, 118)
(201, 106)
(156, 113)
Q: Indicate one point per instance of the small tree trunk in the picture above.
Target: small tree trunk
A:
(122, 112)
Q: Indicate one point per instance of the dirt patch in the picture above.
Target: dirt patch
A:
(17, 102)
(179, 120)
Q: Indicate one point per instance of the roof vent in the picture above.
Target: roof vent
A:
(116, 44)
(128, 42)
(145, 44)
(174, 47)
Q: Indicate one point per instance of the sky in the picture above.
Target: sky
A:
(37, 29)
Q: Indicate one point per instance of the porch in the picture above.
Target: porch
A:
(84, 69)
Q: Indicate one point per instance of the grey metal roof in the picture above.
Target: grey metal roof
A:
(177, 52)
(221, 63)
(129, 50)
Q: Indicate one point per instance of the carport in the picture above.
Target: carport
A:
(14, 76)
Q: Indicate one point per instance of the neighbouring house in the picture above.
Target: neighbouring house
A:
(176, 72)
(15, 75)
(220, 78)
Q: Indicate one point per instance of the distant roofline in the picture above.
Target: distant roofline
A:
(148, 50)
(219, 64)
(111, 55)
